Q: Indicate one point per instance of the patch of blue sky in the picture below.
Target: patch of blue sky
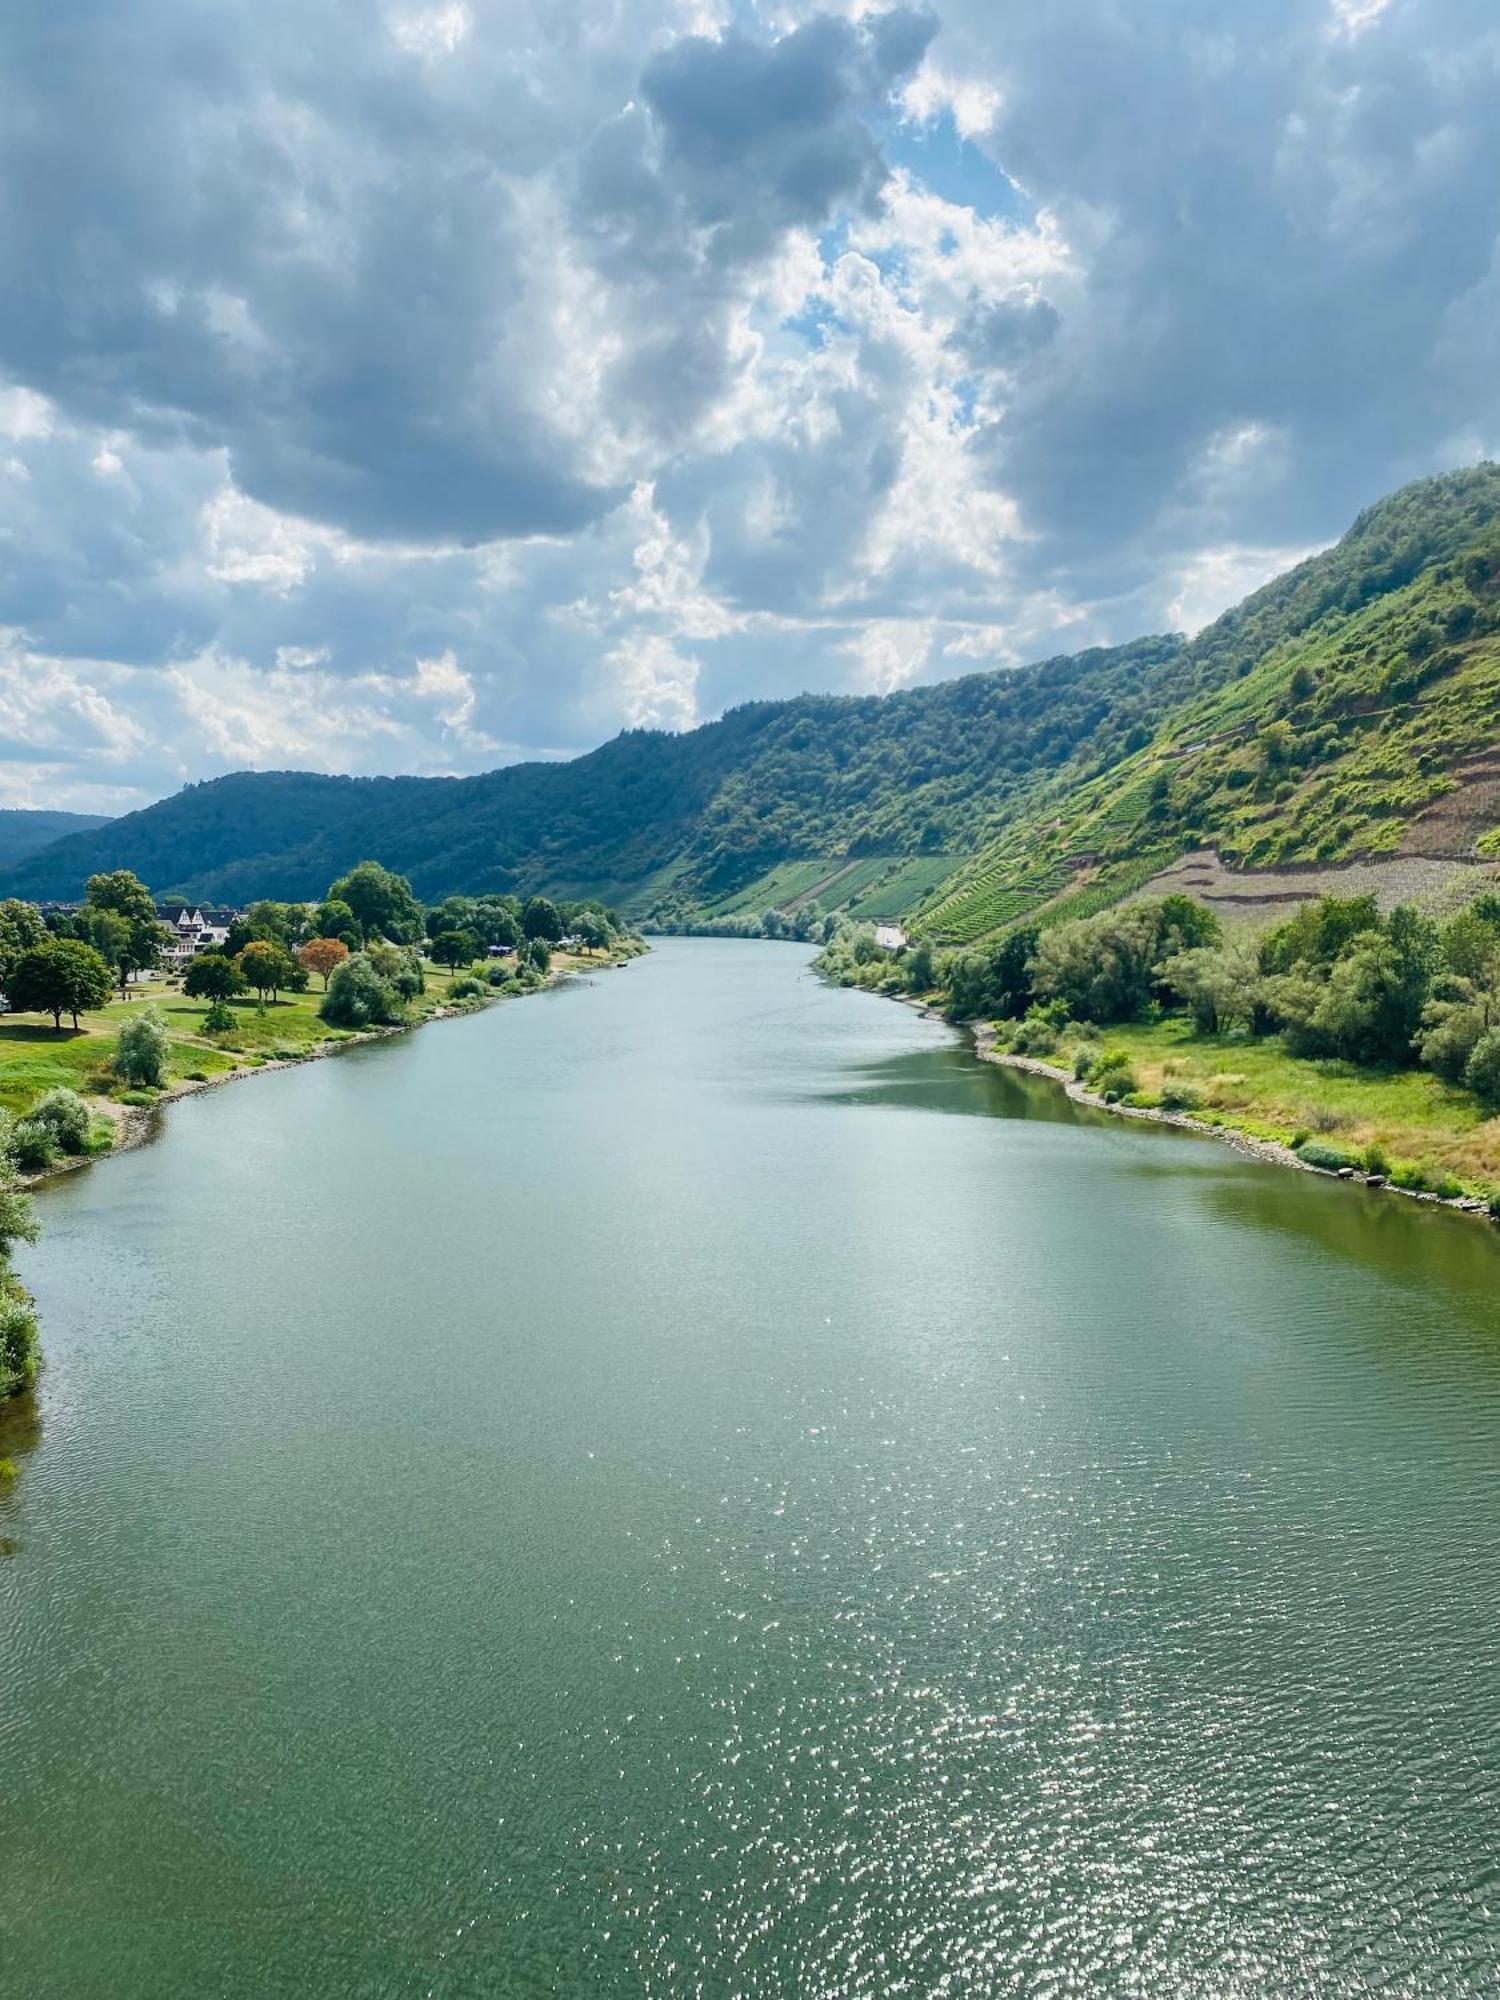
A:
(953, 168)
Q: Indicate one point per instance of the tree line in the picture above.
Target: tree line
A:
(1336, 979)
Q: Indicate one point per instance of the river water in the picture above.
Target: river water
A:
(692, 1484)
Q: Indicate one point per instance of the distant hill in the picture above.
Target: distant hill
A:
(23, 833)
(1348, 712)
(921, 774)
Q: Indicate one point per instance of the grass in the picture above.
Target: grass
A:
(1254, 1086)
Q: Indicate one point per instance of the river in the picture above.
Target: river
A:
(692, 1484)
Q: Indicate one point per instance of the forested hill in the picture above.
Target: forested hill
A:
(925, 771)
(970, 803)
(23, 832)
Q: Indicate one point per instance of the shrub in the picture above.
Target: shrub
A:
(18, 1337)
(141, 1051)
(33, 1146)
(1328, 1159)
(219, 1018)
(1112, 1075)
(1179, 1096)
(1083, 1062)
(1034, 1038)
(498, 974)
(1376, 1158)
(66, 1117)
(359, 996)
(467, 988)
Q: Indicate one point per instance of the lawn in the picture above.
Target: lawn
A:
(1254, 1086)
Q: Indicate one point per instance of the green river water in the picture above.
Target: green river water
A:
(694, 1485)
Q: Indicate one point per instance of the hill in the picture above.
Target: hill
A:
(1348, 714)
(1359, 749)
(921, 775)
(23, 832)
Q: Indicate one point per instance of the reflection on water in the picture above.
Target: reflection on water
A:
(695, 1485)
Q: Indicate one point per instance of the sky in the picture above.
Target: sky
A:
(420, 388)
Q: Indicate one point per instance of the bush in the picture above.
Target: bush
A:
(1112, 1075)
(1376, 1159)
(219, 1019)
(1179, 1096)
(1034, 1038)
(66, 1117)
(141, 1051)
(498, 974)
(33, 1146)
(18, 1337)
(1083, 1062)
(1328, 1159)
(467, 988)
(359, 996)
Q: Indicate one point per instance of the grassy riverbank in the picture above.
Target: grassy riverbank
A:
(35, 1058)
(1402, 1122)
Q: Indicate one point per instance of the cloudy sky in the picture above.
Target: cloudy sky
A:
(423, 387)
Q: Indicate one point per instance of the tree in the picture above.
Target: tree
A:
(1454, 1021)
(455, 948)
(382, 903)
(593, 930)
(322, 955)
(359, 996)
(334, 919)
(921, 967)
(1483, 1072)
(539, 955)
(1219, 984)
(542, 919)
(141, 1050)
(21, 930)
(212, 975)
(266, 967)
(60, 976)
(127, 897)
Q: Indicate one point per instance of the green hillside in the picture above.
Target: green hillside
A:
(1365, 736)
(655, 819)
(1348, 713)
(23, 832)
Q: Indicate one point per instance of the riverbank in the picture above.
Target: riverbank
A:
(33, 1059)
(1219, 1125)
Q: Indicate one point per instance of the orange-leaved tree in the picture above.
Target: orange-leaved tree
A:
(321, 955)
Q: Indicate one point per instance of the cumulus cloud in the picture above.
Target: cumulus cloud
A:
(446, 383)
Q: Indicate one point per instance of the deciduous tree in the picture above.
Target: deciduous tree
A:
(60, 976)
(321, 955)
(212, 976)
